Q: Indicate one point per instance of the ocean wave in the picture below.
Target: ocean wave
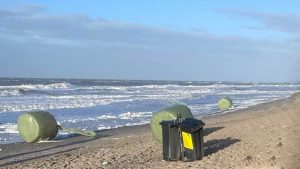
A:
(10, 92)
(122, 116)
(47, 102)
(107, 106)
(43, 102)
(105, 117)
(59, 102)
(149, 87)
(21, 92)
(9, 128)
(238, 92)
(78, 120)
(247, 103)
(102, 127)
(133, 124)
(132, 115)
(278, 85)
(199, 107)
(62, 85)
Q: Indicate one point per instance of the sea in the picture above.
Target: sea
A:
(92, 104)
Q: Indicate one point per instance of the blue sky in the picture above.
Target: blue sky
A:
(159, 40)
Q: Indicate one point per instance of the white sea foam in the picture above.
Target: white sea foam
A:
(60, 95)
(252, 102)
(55, 103)
(63, 85)
(169, 93)
(132, 115)
(104, 117)
(150, 87)
(132, 124)
(10, 92)
(199, 107)
(10, 128)
(278, 85)
(61, 132)
(234, 92)
(122, 116)
(102, 127)
(80, 120)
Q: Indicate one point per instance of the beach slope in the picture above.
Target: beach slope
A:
(262, 136)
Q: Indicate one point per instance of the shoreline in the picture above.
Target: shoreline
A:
(225, 138)
(217, 113)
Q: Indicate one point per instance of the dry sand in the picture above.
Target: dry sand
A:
(263, 136)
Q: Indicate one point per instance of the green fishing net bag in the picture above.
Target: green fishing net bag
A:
(166, 114)
(36, 126)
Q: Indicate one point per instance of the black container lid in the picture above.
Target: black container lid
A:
(170, 123)
(190, 125)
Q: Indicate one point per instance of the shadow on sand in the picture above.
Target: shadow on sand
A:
(207, 131)
(215, 145)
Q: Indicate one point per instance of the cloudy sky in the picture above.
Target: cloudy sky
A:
(214, 40)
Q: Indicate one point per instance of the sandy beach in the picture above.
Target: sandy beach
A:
(262, 136)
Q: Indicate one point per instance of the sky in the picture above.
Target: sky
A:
(217, 40)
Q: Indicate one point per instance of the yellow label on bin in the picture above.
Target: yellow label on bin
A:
(187, 140)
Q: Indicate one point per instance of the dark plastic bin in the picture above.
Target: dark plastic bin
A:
(171, 141)
(192, 139)
(182, 139)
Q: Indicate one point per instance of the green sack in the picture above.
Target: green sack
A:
(225, 103)
(36, 126)
(169, 113)
(78, 131)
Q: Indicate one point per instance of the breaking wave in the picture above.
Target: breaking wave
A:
(106, 104)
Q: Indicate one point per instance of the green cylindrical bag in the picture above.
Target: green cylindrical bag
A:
(225, 103)
(41, 125)
(169, 113)
(36, 126)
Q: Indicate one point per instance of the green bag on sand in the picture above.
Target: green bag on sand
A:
(41, 125)
(169, 113)
(36, 126)
(225, 103)
(78, 131)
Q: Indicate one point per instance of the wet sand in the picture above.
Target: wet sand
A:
(262, 136)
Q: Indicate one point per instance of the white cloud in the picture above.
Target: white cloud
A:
(30, 33)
